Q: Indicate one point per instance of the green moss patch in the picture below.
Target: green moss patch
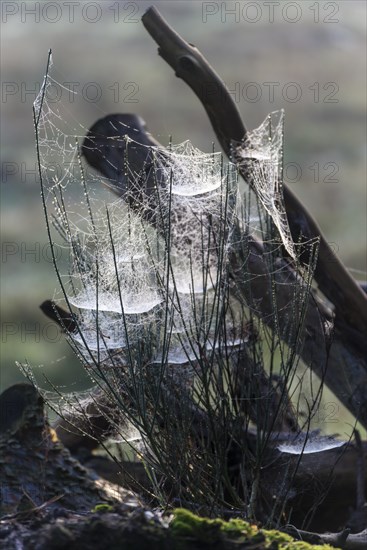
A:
(189, 526)
(102, 508)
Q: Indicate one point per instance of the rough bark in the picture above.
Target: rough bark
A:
(35, 468)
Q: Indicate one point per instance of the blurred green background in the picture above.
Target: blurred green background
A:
(313, 50)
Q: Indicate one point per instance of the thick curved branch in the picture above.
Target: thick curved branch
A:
(190, 65)
(348, 378)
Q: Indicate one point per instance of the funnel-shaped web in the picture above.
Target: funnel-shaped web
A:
(149, 275)
(260, 155)
(148, 265)
(175, 281)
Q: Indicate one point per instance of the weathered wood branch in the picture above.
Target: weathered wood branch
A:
(347, 371)
(35, 468)
(190, 65)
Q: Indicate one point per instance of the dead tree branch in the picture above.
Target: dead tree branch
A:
(347, 370)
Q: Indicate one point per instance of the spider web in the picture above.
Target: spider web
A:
(260, 155)
(159, 278)
(125, 278)
(151, 265)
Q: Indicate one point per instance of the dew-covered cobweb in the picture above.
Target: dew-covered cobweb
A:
(126, 277)
(261, 156)
(145, 263)
(310, 443)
